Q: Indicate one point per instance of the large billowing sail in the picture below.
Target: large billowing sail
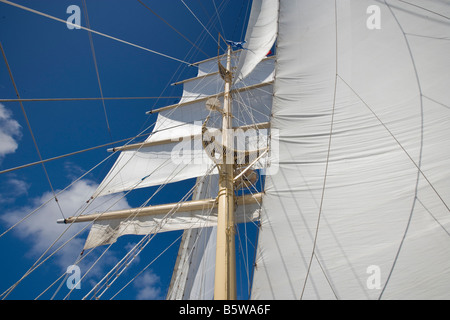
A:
(359, 208)
(359, 107)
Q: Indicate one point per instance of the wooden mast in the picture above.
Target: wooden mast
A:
(225, 273)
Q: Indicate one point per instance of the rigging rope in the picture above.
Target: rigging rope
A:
(142, 134)
(400, 145)
(29, 127)
(172, 27)
(200, 39)
(92, 222)
(86, 99)
(218, 17)
(67, 155)
(132, 254)
(36, 265)
(208, 214)
(93, 31)
(91, 42)
(200, 22)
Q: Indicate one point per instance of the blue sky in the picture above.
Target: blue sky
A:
(48, 60)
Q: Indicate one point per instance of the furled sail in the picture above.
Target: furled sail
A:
(359, 208)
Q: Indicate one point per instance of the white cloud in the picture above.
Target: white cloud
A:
(12, 188)
(41, 229)
(148, 286)
(20, 187)
(10, 132)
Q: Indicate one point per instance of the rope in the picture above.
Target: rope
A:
(29, 128)
(400, 145)
(36, 265)
(239, 19)
(90, 224)
(91, 42)
(66, 155)
(190, 192)
(93, 31)
(132, 216)
(133, 253)
(200, 22)
(172, 27)
(218, 17)
(85, 99)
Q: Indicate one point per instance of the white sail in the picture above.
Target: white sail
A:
(359, 208)
(260, 37)
(193, 274)
(174, 152)
(107, 231)
(177, 153)
(193, 277)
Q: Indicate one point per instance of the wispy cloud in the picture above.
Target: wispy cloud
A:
(41, 229)
(10, 132)
(12, 188)
(148, 286)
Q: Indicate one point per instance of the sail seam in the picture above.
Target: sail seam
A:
(431, 11)
(323, 191)
(258, 255)
(327, 160)
(437, 102)
(419, 165)
(398, 142)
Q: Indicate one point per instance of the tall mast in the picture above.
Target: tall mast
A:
(225, 273)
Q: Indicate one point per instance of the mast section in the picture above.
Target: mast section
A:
(225, 273)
